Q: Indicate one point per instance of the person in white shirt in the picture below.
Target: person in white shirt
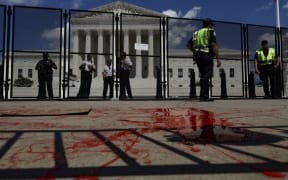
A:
(125, 68)
(108, 79)
(87, 67)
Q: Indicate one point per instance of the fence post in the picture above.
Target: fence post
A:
(158, 83)
(192, 84)
(223, 84)
(7, 80)
(251, 85)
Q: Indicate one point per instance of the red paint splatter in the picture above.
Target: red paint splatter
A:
(196, 150)
(274, 174)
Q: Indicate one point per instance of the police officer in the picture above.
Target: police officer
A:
(204, 47)
(266, 63)
(45, 76)
(87, 67)
(125, 68)
(108, 78)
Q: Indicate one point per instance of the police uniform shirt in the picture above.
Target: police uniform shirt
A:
(126, 63)
(265, 51)
(87, 64)
(45, 66)
(108, 71)
(211, 40)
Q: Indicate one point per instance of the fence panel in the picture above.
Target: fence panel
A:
(285, 59)
(255, 35)
(229, 40)
(35, 30)
(180, 59)
(140, 38)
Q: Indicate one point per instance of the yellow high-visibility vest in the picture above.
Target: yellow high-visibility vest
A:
(201, 39)
(265, 60)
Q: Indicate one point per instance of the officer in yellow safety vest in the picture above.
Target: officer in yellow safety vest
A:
(266, 63)
(204, 47)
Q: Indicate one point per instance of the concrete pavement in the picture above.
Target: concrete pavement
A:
(78, 140)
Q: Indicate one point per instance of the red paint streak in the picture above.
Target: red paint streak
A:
(46, 179)
(86, 178)
(274, 174)
(196, 150)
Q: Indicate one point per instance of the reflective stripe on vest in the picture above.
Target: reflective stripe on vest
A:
(201, 40)
(263, 60)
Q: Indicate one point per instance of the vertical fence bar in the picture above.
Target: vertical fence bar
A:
(64, 81)
(8, 54)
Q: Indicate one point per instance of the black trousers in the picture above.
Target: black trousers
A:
(85, 84)
(205, 65)
(268, 73)
(108, 81)
(45, 80)
(125, 84)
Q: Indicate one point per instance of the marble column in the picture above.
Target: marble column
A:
(100, 58)
(76, 59)
(88, 41)
(151, 53)
(126, 41)
(138, 57)
(111, 42)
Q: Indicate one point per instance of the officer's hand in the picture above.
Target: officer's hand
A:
(257, 71)
(218, 63)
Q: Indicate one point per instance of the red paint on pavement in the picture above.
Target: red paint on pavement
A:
(195, 150)
(274, 174)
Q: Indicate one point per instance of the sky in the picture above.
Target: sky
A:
(46, 34)
(260, 12)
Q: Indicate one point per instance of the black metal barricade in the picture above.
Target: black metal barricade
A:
(140, 36)
(255, 34)
(35, 31)
(162, 65)
(90, 33)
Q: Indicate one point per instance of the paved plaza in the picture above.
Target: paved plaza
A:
(182, 139)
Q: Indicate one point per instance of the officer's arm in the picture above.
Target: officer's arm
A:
(214, 47)
(54, 65)
(277, 61)
(189, 45)
(256, 64)
(215, 50)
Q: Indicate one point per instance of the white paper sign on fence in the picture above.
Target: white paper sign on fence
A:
(141, 47)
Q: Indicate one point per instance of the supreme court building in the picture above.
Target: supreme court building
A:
(110, 29)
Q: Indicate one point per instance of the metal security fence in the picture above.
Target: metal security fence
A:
(180, 59)
(141, 38)
(255, 34)
(90, 32)
(34, 31)
(162, 65)
(284, 46)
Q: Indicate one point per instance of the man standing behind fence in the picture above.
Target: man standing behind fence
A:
(204, 47)
(45, 76)
(108, 78)
(125, 68)
(266, 63)
(87, 67)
